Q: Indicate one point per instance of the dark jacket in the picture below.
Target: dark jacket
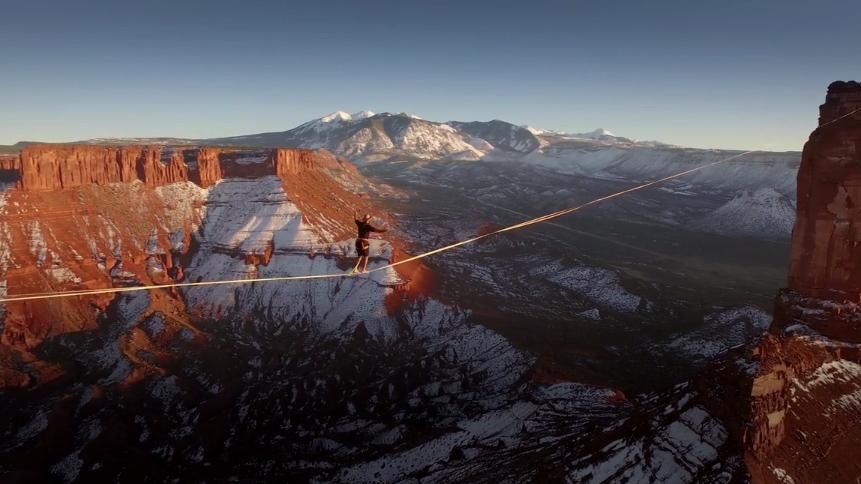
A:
(365, 229)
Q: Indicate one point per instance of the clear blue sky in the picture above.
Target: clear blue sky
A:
(733, 74)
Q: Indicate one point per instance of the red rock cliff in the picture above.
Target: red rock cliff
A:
(828, 225)
(155, 173)
(805, 403)
(291, 161)
(209, 166)
(53, 167)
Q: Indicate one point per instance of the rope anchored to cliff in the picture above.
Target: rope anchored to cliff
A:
(526, 223)
(850, 113)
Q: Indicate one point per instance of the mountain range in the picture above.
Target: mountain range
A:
(368, 136)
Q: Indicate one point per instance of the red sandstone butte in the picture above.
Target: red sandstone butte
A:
(156, 173)
(209, 166)
(828, 221)
(804, 411)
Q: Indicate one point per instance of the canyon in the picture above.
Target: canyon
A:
(404, 374)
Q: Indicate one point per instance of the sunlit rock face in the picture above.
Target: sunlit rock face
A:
(50, 167)
(57, 167)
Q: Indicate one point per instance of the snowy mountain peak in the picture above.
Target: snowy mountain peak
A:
(601, 132)
(597, 134)
(411, 116)
(533, 130)
(362, 115)
(336, 116)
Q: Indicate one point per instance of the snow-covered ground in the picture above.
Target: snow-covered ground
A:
(722, 330)
(601, 286)
(676, 451)
(250, 217)
(763, 213)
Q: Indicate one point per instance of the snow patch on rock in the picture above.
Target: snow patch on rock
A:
(602, 286)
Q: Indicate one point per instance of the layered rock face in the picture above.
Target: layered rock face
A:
(805, 407)
(52, 167)
(55, 167)
(156, 173)
(209, 166)
(291, 161)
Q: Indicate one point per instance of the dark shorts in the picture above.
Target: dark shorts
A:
(363, 247)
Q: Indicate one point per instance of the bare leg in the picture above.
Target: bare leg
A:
(365, 265)
(358, 261)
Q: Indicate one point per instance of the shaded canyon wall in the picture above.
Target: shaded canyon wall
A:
(805, 404)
